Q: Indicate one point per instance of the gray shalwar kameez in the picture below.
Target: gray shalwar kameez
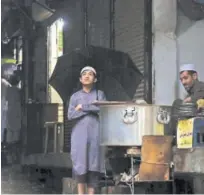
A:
(197, 91)
(85, 147)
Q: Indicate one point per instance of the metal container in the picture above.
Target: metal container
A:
(124, 124)
(156, 158)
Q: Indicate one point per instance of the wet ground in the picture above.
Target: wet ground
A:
(13, 181)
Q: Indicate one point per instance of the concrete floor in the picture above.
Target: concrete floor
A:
(13, 181)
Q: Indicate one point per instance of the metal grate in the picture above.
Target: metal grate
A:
(73, 30)
(98, 23)
(129, 33)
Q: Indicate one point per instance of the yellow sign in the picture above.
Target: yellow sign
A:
(185, 133)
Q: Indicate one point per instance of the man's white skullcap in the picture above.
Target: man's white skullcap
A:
(88, 68)
(187, 67)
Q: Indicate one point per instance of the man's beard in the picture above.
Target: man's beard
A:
(188, 88)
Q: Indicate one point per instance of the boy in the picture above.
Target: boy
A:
(85, 148)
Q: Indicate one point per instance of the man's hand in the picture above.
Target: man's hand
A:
(78, 107)
(188, 100)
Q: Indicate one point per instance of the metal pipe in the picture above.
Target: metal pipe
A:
(24, 95)
(85, 23)
(112, 24)
(25, 70)
(28, 51)
(148, 51)
(132, 175)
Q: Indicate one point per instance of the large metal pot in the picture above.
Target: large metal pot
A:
(124, 124)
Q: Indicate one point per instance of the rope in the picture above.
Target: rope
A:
(155, 163)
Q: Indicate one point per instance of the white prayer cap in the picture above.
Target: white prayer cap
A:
(88, 68)
(187, 67)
